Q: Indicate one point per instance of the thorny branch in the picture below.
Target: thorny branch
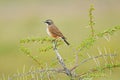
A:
(64, 70)
(60, 59)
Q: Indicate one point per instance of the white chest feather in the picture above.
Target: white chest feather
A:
(48, 32)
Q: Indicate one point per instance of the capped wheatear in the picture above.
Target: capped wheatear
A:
(53, 31)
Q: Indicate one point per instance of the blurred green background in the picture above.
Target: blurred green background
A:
(20, 19)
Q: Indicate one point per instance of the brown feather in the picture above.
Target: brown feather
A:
(55, 32)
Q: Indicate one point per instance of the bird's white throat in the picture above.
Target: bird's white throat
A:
(46, 24)
(48, 32)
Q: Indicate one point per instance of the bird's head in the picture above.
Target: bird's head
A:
(49, 22)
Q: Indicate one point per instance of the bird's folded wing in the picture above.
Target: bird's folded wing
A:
(54, 30)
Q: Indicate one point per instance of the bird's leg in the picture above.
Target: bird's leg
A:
(54, 43)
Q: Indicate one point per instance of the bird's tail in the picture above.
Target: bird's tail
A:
(65, 41)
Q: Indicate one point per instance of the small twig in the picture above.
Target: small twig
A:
(76, 60)
(95, 70)
(37, 71)
(91, 16)
(28, 53)
(88, 59)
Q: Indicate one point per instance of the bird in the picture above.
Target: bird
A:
(53, 31)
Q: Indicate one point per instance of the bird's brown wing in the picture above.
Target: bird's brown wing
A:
(55, 31)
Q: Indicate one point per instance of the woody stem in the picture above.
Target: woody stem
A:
(60, 59)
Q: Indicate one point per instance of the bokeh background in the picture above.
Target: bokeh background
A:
(20, 19)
